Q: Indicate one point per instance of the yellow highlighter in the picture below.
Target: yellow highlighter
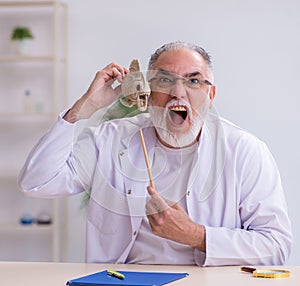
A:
(115, 274)
(266, 273)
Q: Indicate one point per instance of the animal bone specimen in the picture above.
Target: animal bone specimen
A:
(135, 88)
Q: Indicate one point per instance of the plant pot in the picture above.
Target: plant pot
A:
(22, 47)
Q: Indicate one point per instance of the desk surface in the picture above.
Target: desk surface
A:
(57, 274)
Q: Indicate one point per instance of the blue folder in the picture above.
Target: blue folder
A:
(131, 278)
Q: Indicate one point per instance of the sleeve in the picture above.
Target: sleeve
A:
(265, 235)
(49, 170)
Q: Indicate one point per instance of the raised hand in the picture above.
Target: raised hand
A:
(99, 94)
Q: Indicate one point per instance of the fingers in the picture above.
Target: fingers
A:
(99, 94)
(114, 71)
(156, 204)
(104, 79)
(151, 191)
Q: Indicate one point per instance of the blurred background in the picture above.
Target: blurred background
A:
(255, 50)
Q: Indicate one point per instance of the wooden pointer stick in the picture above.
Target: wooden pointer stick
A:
(147, 160)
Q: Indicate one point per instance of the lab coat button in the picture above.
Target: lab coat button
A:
(129, 192)
(135, 232)
(188, 193)
(121, 153)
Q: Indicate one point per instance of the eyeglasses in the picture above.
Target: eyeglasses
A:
(166, 80)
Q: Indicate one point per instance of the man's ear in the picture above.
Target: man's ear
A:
(212, 94)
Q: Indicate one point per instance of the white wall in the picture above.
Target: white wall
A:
(255, 47)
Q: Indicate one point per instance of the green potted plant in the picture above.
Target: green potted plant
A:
(21, 36)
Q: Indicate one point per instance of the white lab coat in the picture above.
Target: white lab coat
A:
(234, 189)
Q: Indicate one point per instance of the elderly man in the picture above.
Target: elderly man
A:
(217, 198)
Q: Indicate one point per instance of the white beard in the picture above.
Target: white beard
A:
(159, 118)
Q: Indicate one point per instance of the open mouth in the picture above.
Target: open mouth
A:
(178, 114)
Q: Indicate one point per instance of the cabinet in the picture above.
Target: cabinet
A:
(33, 90)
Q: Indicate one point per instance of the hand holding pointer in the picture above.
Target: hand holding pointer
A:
(169, 220)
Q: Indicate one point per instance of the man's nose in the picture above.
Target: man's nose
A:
(178, 89)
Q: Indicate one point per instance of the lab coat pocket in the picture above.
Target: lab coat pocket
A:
(103, 219)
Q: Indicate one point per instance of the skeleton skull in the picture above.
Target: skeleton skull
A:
(135, 88)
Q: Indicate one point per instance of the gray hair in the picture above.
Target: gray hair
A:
(179, 45)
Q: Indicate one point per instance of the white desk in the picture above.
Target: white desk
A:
(57, 274)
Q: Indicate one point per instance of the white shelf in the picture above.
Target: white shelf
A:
(44, 73)
(20, 59)
(22, 117)
(15, 227)
(30, 3)
(8, 175)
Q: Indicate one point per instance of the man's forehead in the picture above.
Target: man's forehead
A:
(166, 72)
(182, 62)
